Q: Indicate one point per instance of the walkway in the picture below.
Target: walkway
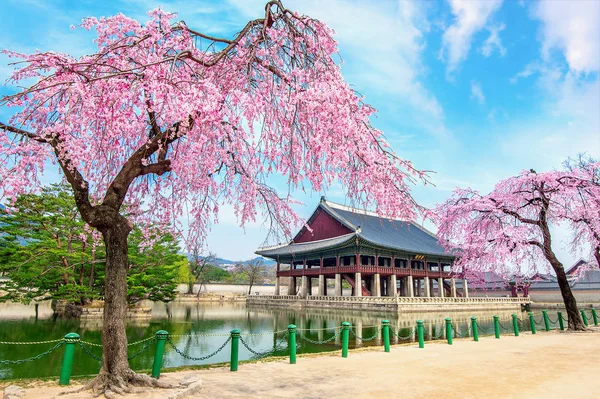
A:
(549, 365)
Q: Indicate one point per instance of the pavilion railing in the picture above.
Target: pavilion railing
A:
(397, 299)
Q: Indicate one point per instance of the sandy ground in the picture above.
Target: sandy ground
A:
(549, 365)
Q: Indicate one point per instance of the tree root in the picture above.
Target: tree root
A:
(114, 385)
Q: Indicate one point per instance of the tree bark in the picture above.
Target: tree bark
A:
(597, 255)
(575, 322)
(114, 339)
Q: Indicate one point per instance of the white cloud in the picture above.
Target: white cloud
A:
(572, 27)
(382, 48)
(527, 71)
(494, 42)
(477, 92)
(470, 17)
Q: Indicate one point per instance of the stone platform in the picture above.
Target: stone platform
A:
(392, 304)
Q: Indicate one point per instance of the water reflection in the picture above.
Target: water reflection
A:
(200, 329)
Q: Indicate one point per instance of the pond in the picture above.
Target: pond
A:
(200, 329)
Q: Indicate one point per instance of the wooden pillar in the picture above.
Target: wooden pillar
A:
(338, 285)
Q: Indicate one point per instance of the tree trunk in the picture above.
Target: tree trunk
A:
(575, 321)
(114, 339)
(250, 288)
(597, 255)
(190, 289)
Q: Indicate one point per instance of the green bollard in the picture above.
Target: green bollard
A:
(561, 323)
(345, 336)
(386, 335)
(235, 349)
(161, 338)
(67, 364)
(515, 325)
(532, 323)
(595, 316)
(292, 343)
(420, 334)
(546, 321)
(584, 317)
(474, 328)
(449, 330)
(497, 326)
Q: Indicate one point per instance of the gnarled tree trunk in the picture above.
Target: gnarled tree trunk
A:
(114, 340)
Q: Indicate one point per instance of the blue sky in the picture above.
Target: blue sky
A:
(474, 90)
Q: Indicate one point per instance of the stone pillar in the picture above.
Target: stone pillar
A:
(453, 288)
(431, 290)
(441, 287)
(357, 284)
(377, 285)
(410, 286)
(304, 289)
(465, 288)
(325, 286)
(392, 287)
(292, 286)
(338, 284)
(427, 287)
(322, 284)
(277, 285)
(309, 286)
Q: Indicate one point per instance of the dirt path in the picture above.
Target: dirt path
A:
(549, 365)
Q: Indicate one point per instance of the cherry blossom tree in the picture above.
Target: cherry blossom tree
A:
(582, 206)
(167, 121)
(508, 230)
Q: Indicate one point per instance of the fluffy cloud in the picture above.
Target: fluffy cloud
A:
(572, 27)
(477, 92)
(494, 42)
(470, 18)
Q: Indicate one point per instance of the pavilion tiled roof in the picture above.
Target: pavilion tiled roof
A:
(387, 233)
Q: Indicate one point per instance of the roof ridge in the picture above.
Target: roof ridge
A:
(359, 211)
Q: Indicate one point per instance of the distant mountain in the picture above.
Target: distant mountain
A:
(228, 262)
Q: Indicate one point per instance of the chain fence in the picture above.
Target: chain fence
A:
(400, 337)
(279, 345)
(317, 342)
(366, 339)
(200, 358)
(36, 357)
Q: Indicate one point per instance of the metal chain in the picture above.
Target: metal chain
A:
(552, 322)
(31, 342)
(89, 352)
(144, 348)
(504, 327)
(264, 333)
(90, 343)
(278, 346)
(335, 335)
(366, 339)
(152, 338)
(197, 358)
(457, 333)
(410, 334)
(482, 331)
(200, 335)
(33, 358)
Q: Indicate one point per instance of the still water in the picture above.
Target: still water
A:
(200, 329)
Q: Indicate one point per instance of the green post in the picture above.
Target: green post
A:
(345, 336)
(235, 349)
(67, 364)
(449, 330)
(532, 323)
(161, 338)
(420, 334)
(515, 325)
(546, 321)
(292, 342)
(595, 316)
(497, 326)
(386, 335)
(474, 328)
(560, 321)
(584, 317)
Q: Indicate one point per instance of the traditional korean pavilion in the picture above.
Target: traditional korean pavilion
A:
(375, 256)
